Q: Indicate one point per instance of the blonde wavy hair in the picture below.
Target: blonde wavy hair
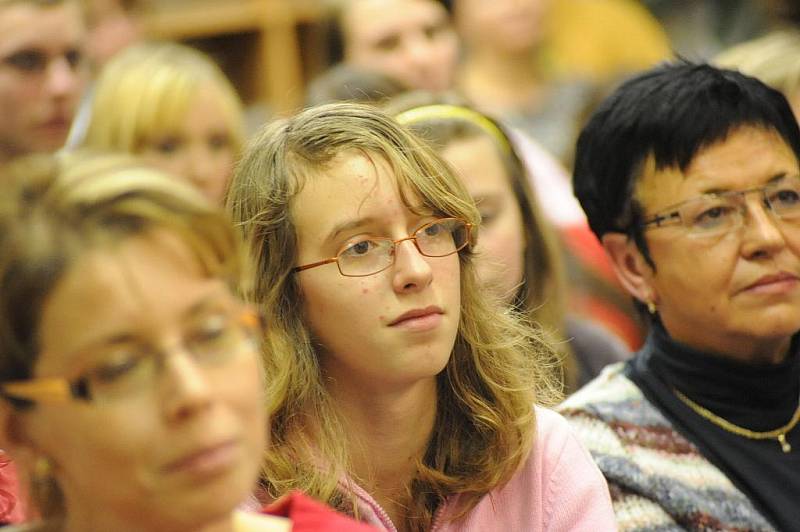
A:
(145, 91)
(55, 210)
(484, 424)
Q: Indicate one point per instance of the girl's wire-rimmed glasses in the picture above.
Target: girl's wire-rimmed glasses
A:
(371, 255)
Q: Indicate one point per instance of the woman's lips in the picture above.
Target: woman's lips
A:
(774, 284)
(206, 461)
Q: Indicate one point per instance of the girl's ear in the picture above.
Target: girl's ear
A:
(631, 268)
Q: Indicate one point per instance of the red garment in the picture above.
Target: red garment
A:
(308, 515)
(11, 509)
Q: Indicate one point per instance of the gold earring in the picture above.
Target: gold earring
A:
(42, 468)
(651, 308)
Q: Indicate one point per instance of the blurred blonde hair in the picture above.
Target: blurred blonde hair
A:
(145, 91)
(484, 416)
(774, 59)
(55, 210)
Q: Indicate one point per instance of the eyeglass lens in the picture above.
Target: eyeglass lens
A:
(437, 239)
(715, 214)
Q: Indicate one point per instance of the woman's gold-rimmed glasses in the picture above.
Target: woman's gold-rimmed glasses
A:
(368, 256)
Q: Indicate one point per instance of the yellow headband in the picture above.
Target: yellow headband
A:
(445, 111)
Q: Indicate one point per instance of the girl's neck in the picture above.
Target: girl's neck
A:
(388, 434)
(501, 82)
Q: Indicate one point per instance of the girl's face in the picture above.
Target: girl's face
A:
(174, 445)
(501, 245)
(388, 330)
(201, 150)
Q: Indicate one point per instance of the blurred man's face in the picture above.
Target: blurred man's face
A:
(411, 41)
(42, 75)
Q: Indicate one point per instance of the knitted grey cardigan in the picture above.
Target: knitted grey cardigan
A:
(659, 481)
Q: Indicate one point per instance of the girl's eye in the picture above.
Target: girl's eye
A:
(360, 249)
(434, 229)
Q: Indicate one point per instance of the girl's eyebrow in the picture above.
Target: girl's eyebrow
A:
(346, 225)
(355, 223)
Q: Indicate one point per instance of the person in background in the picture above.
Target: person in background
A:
(403, 394)
(130, 371)
(42, 76)
(173, 107)
(690, 176)
(348, 83)
(411, 41)
(519, 253)
(113, 26)
(526, 62)
(42, 73)
(773, 58)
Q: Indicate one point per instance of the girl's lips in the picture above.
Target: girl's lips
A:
(424, 322)
(416, 313)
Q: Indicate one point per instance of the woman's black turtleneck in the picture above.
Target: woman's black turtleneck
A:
(756, 397)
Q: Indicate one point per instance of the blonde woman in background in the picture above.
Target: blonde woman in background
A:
(172, 106)
(401, 393)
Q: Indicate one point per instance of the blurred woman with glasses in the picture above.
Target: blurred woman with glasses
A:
(401, 393)
(130, 373)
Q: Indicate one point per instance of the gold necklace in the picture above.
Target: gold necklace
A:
(777, 434)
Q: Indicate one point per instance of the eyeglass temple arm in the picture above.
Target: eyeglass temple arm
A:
(660, 219)
(314, 264)
(44, 390)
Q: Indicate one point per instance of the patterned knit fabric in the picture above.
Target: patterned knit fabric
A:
(659, 481)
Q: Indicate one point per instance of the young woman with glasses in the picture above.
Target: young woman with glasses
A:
(401, 392)
(130, 372)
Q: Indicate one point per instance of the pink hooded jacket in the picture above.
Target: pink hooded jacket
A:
(559, 488)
